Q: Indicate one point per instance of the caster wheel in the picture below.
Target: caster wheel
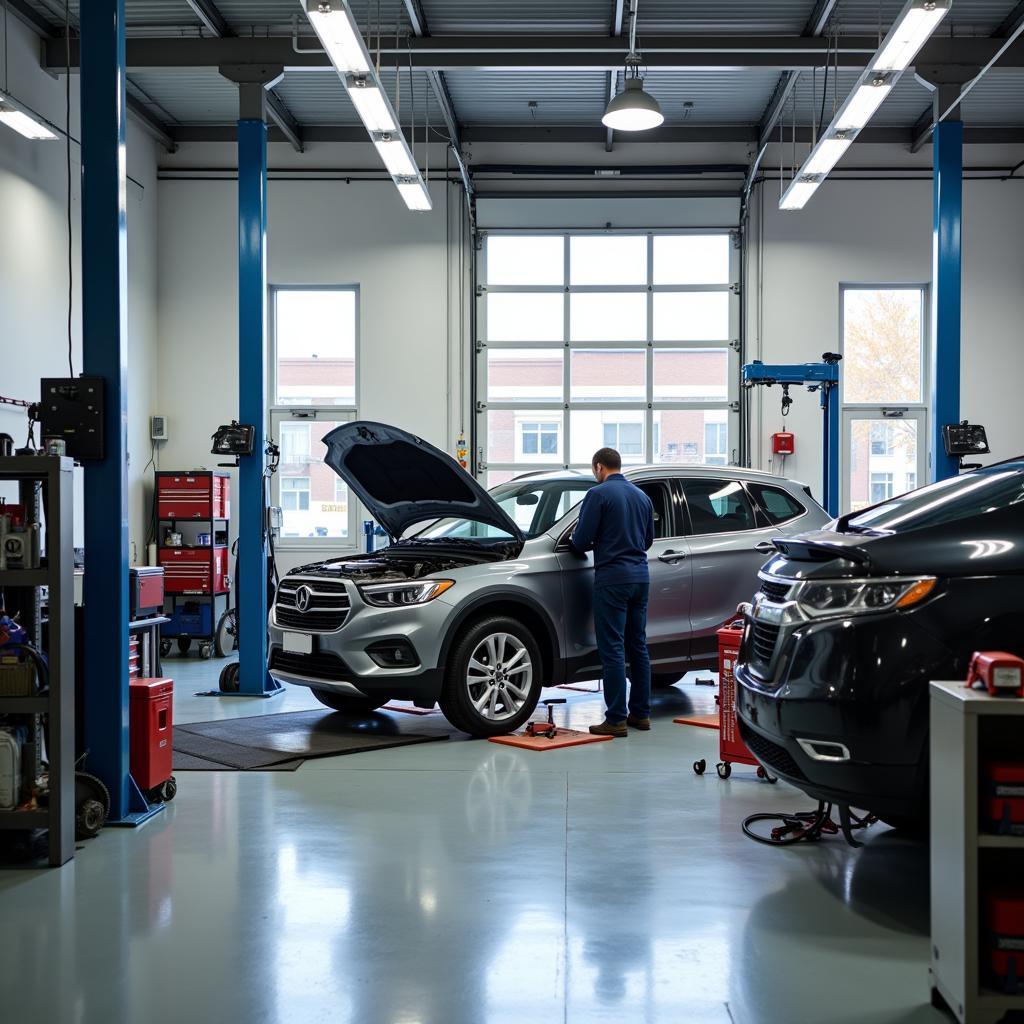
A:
(184, 644)
(165, 648)
(169, 789)
(205, 651)
(761, 773)
(724, 770)
(771, 779)
(700, 767)
(229, 678)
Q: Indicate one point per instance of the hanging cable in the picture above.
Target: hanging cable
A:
(67, 161)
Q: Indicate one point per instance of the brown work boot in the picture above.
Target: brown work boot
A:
(607, 728)
(643, 724)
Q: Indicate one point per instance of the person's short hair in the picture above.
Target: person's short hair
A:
(607, 457)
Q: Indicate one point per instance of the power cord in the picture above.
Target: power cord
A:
(808, 826)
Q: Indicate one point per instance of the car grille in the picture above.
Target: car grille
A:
(775, 591)
(322, 665)
(770, 754)
(764, 638)
(328, 608)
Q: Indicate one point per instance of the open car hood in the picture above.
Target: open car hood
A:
(402, 480)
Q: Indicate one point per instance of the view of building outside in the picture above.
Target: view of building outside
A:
(882, 368)
(314, 380)
(631, 342)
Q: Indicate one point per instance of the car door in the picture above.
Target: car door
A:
(728, 542)
(668, 608)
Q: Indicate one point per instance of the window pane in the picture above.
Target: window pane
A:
(883, 460)
(315, 335)
(608, 375)
(779, 506)
(691, 316)
(882, 345)
(515, 435)
(525, 316)
(608, 259)
(694, 437)
(524, 374)
(691, 374)
(618, 316)
(718, 506)
(495, 477)
(620, 429)
(691, 259)
(314, 501)
(525, 259)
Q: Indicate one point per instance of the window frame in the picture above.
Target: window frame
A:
(279, 414)
(565, 405)
(755, 508)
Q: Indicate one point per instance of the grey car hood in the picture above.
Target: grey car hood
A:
(403, 480)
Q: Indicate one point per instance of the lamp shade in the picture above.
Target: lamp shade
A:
(633, 110)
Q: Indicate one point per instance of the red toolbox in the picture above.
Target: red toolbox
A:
(145, 590)
(1003, 940)
(731, 748)
(134, 657)
(151, 732)
(195, 570)
(1002, 797)
(200, 495)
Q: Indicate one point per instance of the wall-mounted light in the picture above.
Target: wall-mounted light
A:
(23, 120)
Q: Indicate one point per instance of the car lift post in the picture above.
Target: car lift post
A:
(105, 354)
(822, 377)
(253, 678)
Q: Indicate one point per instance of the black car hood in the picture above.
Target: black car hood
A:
(402, 480)
(985, 545)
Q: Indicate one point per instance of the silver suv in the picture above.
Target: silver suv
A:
(483, 603)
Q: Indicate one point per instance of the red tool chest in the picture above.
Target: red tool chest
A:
(1003, 939)
(151, 731)
(199, 495)
(146, 590)
(731, 748)
(1002, 797)
(199, 570)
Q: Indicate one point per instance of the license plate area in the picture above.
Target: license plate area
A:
(297, 643)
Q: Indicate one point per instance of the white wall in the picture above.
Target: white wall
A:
(33, 266)
(881, 232)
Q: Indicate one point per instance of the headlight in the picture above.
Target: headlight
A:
(861, 597)
(397, 595)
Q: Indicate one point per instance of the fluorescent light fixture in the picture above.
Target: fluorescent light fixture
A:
(396, 156)
(911, 30)
(371, 104)
(414, 193)
(633, 110)
(799, 191)
(22, 120)
(336, 29)
(862, 104)
(825, 155)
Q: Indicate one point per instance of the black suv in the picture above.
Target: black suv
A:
(852, 622)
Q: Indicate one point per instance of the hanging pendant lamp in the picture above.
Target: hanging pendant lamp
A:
(632, 110)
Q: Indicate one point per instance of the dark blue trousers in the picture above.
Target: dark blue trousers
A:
(620, 621)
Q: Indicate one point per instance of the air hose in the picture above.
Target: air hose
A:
(808, 826)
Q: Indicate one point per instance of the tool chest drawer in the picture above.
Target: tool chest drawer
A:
(195, 570)
(200, 495)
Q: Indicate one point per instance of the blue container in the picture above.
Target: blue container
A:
(192, 618)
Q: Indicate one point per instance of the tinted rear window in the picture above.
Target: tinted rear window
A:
(779, 506)
(945, 502)
(718, 506)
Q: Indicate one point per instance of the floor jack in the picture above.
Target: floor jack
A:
(547, 729)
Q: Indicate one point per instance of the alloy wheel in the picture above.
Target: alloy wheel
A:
(499, 676)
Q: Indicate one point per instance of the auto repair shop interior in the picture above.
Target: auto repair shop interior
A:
(313, 314)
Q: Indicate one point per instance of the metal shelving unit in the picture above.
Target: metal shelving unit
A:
(959, 719)
(50, 475)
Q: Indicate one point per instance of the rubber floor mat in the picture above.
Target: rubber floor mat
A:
(267, 741)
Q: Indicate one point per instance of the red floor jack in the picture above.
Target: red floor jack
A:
(547, 729)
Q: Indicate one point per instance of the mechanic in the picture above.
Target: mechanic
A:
(617, 521)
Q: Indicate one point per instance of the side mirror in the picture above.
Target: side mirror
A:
(562, 544)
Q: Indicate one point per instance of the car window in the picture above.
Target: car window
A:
(658, 493)
(963, 497)
(778, 505)
(718, 506)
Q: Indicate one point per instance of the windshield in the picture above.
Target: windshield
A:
(958, 498)
(534, 505)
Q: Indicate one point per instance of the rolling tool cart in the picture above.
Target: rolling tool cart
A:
(193, 513)
(731, 748)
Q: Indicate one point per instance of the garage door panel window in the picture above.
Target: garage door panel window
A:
(626, 342)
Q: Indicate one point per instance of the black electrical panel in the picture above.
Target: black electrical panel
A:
(71, 409)
(965, 439)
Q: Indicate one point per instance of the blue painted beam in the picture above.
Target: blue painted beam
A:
(946, 290)
(105, 354)
(253, 678)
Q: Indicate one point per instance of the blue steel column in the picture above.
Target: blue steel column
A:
(830, 447)
(946, 287)
(253, 678)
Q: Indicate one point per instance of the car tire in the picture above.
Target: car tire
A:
(663, 680)
(469, 678)
(349, 705)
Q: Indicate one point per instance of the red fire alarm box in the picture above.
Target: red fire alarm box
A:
(151, 731)
(783, 443)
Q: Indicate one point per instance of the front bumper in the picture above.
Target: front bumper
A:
(861, 682)
(340, 663)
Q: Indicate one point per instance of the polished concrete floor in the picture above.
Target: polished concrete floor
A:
(468, 883)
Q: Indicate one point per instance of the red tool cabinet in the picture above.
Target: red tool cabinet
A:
(199, 495)
(151, 732)
(731, 748)
(198, 570)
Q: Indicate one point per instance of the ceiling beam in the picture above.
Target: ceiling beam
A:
(598, 53)
(282, 117)
(617, 14)
(152, 125)
(1011, 23)
(31, 17)
(213, 21)
(818, 20)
